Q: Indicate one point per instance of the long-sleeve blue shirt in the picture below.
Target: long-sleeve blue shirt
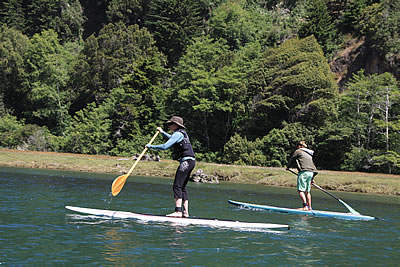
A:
(176, 137)
(173, 138)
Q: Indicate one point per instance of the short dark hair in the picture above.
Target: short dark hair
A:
(301, 143)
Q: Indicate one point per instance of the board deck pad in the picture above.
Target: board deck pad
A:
(176, 220)
(317, 213)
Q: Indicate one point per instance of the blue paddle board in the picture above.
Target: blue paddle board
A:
(317, 213)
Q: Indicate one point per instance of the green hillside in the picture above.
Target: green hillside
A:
(249, 78)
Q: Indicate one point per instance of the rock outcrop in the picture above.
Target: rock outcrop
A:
(200, 177)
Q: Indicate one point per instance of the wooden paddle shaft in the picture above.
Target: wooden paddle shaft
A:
(119, 182)
(142, 154)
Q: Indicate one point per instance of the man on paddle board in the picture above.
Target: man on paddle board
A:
(303, 161)
(183, 152)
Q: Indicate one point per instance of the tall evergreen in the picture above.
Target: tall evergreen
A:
(380, 24)
(207, 91)
(174, 23)
(13, 73)
(319, 23)
(12, 13)
(128, 11)
(292, 84)
(122, 57)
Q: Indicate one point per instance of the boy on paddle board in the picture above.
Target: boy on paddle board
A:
(302, 157)
(183, 152)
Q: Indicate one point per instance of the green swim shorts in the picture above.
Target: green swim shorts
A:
(304, 181)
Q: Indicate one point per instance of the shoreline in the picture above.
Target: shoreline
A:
(371, 183)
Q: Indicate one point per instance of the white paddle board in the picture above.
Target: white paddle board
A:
(111, 214)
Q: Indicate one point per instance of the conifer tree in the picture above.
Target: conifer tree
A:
(12, 13)
(292, 84)
(319, 23)
(174, 23)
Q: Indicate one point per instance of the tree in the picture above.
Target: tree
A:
(141, 105)
(89, 132)
(207, 91)
(319, 23)
(10, 128)
(30, 17)
(129, 11)
(119, 50)
(13, 87)
(352, 14)
(174, 23)
(332, 143)
(380, 23)
(70, 23)
(239, 26)
(12, 13)
(49, 65)
(123, 57)
(279, 144)
(239, 151)
(371, 106)
(241, 22)
(292, 84)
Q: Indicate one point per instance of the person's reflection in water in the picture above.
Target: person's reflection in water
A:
(177, 244)
(116, 243)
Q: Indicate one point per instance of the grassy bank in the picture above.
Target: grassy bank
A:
(332, 180)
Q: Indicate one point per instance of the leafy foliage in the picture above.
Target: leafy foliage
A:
(118, 51)
(239, 25)
(50, 65)
(32, 17)
(128, 11)
(278, 144)
(17, 134)
(9, 129)
(174, 23)
(207, 91)
(238, 150)
(381, 24)
(250, 78)
(13, 14)
(352, 14)
(319, 23)
(13, 47)
(372, 110)
(89, 131)
(294, 84)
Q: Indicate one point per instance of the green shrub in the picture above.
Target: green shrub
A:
(9, 131)
(240, 151)
(17, 134)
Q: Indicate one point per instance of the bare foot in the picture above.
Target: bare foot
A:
(175, 214)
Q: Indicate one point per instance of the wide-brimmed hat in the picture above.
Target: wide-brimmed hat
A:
(177, 120)
(302, 143)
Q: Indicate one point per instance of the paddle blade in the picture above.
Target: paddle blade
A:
(117, 185)
(353, 211)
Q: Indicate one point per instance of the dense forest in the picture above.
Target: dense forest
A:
(249, 78)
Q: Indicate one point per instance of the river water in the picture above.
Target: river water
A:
(36, 229)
